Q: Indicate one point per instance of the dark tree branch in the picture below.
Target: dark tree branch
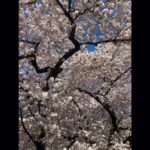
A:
(115, 80)
(77, 106)
(36, 44)
(106, 106)
(32, 57)
(91, 142)
(111, 132)
(109, 110)
(128, 139)
(69, 5)
(67, 14)
(39, 110)
(29, 3)
(35, 65)
(29, 42)
(32, 114)
(82, 115)
(107, 41)
(38, 144)
(54, 71)
(25, 129)
(26, 56)
(71, 140)
(112, 82)
(57, 68)
(84, 11)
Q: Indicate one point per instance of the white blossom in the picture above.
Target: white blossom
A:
(44, 94)
(53, 114)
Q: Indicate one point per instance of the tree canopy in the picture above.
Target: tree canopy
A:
(75, 74)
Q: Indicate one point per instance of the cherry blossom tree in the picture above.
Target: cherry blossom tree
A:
(75, 74)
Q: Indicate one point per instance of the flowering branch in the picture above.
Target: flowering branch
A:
(107, 41)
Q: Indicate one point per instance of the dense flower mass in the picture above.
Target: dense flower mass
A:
(75, 75)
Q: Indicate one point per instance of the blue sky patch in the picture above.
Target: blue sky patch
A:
(91, 48)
